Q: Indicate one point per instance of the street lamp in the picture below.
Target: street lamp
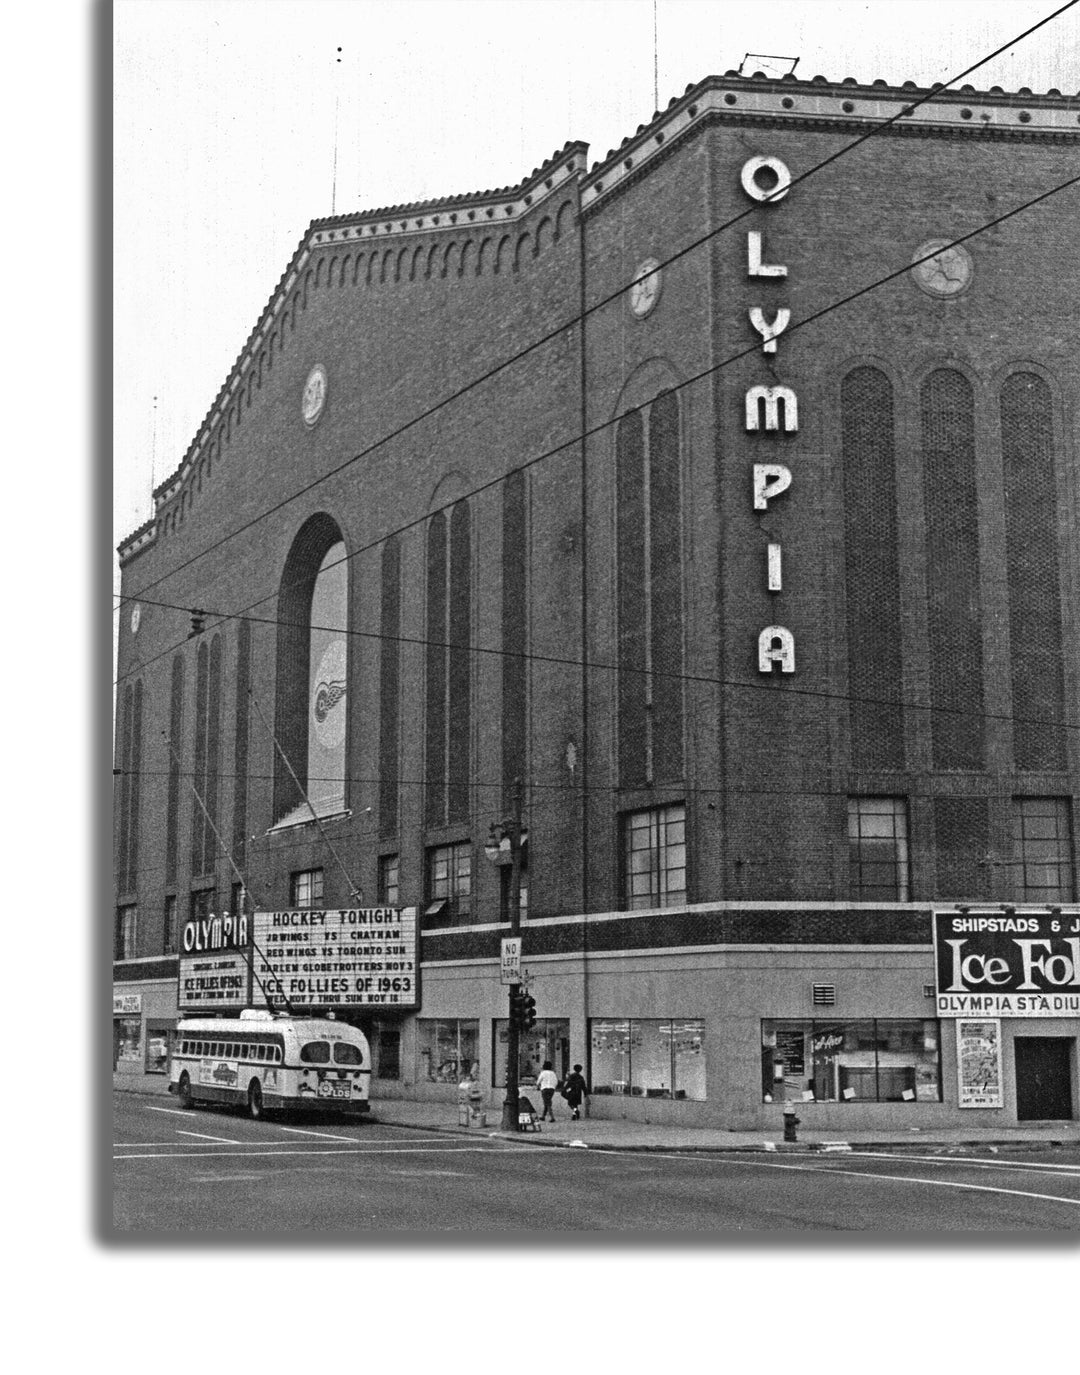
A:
(507, 838)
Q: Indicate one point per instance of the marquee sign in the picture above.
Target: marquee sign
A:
(352, 959)
(1008, 962)
(213, 964)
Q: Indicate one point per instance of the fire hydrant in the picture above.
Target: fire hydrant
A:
(791, 1122)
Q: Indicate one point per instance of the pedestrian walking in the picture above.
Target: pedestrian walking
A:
(574, 1090)
(547, 1081)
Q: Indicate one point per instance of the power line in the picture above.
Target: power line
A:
(558, 661)
(605, 301)
(603, 425)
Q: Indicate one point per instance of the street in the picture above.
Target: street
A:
(215, 1171)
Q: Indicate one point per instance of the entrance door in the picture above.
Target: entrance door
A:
(1043, 1091)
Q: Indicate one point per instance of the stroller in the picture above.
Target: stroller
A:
(527, 1118)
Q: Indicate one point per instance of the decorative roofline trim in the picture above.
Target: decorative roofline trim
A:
(843, 106)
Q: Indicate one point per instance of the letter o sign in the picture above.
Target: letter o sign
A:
(773, 185)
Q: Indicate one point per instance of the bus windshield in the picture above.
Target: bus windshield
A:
(346, 1054)
(315, 1053)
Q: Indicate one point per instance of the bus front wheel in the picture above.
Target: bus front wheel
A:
(184, 1091)
(255, 1101)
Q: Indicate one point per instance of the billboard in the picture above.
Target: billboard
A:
(355, 958)
(1008, 962)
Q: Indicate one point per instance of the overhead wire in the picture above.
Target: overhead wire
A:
(581, 316)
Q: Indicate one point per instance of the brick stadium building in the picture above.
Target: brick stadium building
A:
(770, 599)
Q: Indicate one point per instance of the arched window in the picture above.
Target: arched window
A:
(204, 843)
(175, 745)
(448, 726)
(650, 594)
(130, 752)
(1031, 541)
(312, 644)
(871, 570)
(389, 680)
(952, 537)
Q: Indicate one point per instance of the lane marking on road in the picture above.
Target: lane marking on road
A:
(1069, 1171)
(221, 1140)
(330, 1150)
(325, 1136)
(226, 1178)
(173, 1112)
(867, 1174)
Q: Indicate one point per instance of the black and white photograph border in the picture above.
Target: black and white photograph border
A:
(239, 132)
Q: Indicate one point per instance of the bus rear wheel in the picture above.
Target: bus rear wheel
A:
(255, 1100)
(183, 1091)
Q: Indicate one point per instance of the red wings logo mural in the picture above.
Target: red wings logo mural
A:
(327, 696)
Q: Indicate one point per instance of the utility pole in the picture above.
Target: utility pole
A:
(511, 830)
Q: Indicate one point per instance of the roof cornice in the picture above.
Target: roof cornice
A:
(844, 106)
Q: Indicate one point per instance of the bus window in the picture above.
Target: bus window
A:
(346, 1054)
(315, 1053)
(245, 1051)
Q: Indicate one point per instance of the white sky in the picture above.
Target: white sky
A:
(225, 121)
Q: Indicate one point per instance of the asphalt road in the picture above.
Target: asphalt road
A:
(212, 1171)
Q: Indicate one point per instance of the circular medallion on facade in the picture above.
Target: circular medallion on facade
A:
(328, 697)
(645, 288)
(314, 399)
(947, 273)
(136, 618)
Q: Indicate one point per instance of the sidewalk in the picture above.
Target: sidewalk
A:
(641, 1136)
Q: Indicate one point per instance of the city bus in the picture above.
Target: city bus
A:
(266, 1062)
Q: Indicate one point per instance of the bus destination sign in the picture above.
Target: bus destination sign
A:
(353, 958)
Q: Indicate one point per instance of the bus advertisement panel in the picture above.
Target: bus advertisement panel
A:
(355, 958)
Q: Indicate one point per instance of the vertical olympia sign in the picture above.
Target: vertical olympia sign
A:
(773, 409)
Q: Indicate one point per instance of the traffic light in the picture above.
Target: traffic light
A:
(528, 1011)
(517, 1008)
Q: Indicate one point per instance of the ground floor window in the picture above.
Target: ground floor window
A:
(386, 1049)
(648, 1057)
(160, 1040)
(447, 1050)
(127, 1039)
(549, 1039)
(873, 1060)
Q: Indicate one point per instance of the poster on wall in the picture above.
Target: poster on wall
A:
(978, 1063)
(352, 959)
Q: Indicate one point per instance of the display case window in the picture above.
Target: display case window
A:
(648, 1057)
(549, 1039)
(869, 1060)
(446, 1050)
(387, 1050)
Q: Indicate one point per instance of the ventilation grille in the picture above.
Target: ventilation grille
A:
(824, 995)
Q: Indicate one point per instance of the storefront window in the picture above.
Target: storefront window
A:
(882, 1061)
(127, 1038)
(648, 1058)
(160, 1037)
(446, 1050)
(549, 1039)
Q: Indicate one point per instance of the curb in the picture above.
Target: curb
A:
(762, 1147)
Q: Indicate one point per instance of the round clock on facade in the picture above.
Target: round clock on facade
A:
(136, 618)
(645, 288)
(314, 398)
(947, 273)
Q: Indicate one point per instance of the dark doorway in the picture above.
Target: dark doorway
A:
(1043, 1088)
